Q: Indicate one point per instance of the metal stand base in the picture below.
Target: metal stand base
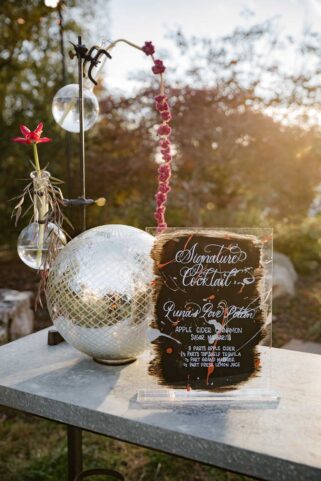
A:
(115, 362)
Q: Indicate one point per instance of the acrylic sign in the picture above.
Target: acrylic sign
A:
(212, 298)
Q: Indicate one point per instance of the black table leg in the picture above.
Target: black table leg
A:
(74, 438)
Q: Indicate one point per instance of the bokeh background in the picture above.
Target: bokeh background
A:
(244, 82)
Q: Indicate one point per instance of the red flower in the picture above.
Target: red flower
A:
(158, 67)
(148, 48)
(31, 137)
(164, 129)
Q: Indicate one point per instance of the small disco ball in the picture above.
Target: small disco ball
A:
(99, 292)
(65, 108)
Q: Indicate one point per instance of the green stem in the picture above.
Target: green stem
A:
(35, 155)
(41, 209)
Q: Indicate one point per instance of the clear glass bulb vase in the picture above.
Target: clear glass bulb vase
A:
(65, 108)
(36, 241)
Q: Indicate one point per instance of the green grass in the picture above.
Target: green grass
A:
(33, 449)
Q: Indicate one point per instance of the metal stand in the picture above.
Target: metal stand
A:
(74, 435)
(83, 56)
(80, 52)
(74, 440)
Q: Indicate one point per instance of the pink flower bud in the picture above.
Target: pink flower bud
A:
(167, 150)
(159, 214)
(167, 157)
(164, 143)
(158, 67)
(165, 188)
(162, 107)
(161, 210)
(164, 168)
(166, 115)
(148, 48)
(160, 198)
(164, 129)
(160, 98)
(161, 227)
(164, 177)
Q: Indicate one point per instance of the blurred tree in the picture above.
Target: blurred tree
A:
(235, 163)
(245, 128)
(279, 70)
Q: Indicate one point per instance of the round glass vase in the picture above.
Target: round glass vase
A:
(37, 240)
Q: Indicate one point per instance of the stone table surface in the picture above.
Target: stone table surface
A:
(278, 441)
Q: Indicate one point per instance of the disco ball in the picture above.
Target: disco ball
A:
(99, 292)
(65, 108)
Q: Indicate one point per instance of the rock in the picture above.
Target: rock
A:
(298, 345)
(284, 276)
(16, 315)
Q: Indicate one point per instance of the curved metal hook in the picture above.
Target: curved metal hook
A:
(89, 57)
(95, 61)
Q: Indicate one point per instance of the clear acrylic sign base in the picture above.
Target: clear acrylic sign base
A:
(159, 396)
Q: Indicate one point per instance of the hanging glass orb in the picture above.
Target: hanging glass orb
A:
(99, 292)
(65, 108)
(35, 241)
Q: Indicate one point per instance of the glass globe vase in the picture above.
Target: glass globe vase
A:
(35, 241)
(65, 108)
(40, 239)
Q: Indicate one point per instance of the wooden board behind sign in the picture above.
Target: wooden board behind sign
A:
(208, 308)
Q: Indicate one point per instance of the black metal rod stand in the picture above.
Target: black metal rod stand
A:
(74, 435)
(74, 440)
(68, 152)
(82, 132)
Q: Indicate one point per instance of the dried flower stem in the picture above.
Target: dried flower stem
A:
(164, 131)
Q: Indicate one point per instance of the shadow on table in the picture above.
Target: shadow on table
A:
(82, 382)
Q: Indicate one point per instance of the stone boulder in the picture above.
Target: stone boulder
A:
(16, 315)
(284, 276)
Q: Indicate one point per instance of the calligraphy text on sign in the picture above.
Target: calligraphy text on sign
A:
(208, 308)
